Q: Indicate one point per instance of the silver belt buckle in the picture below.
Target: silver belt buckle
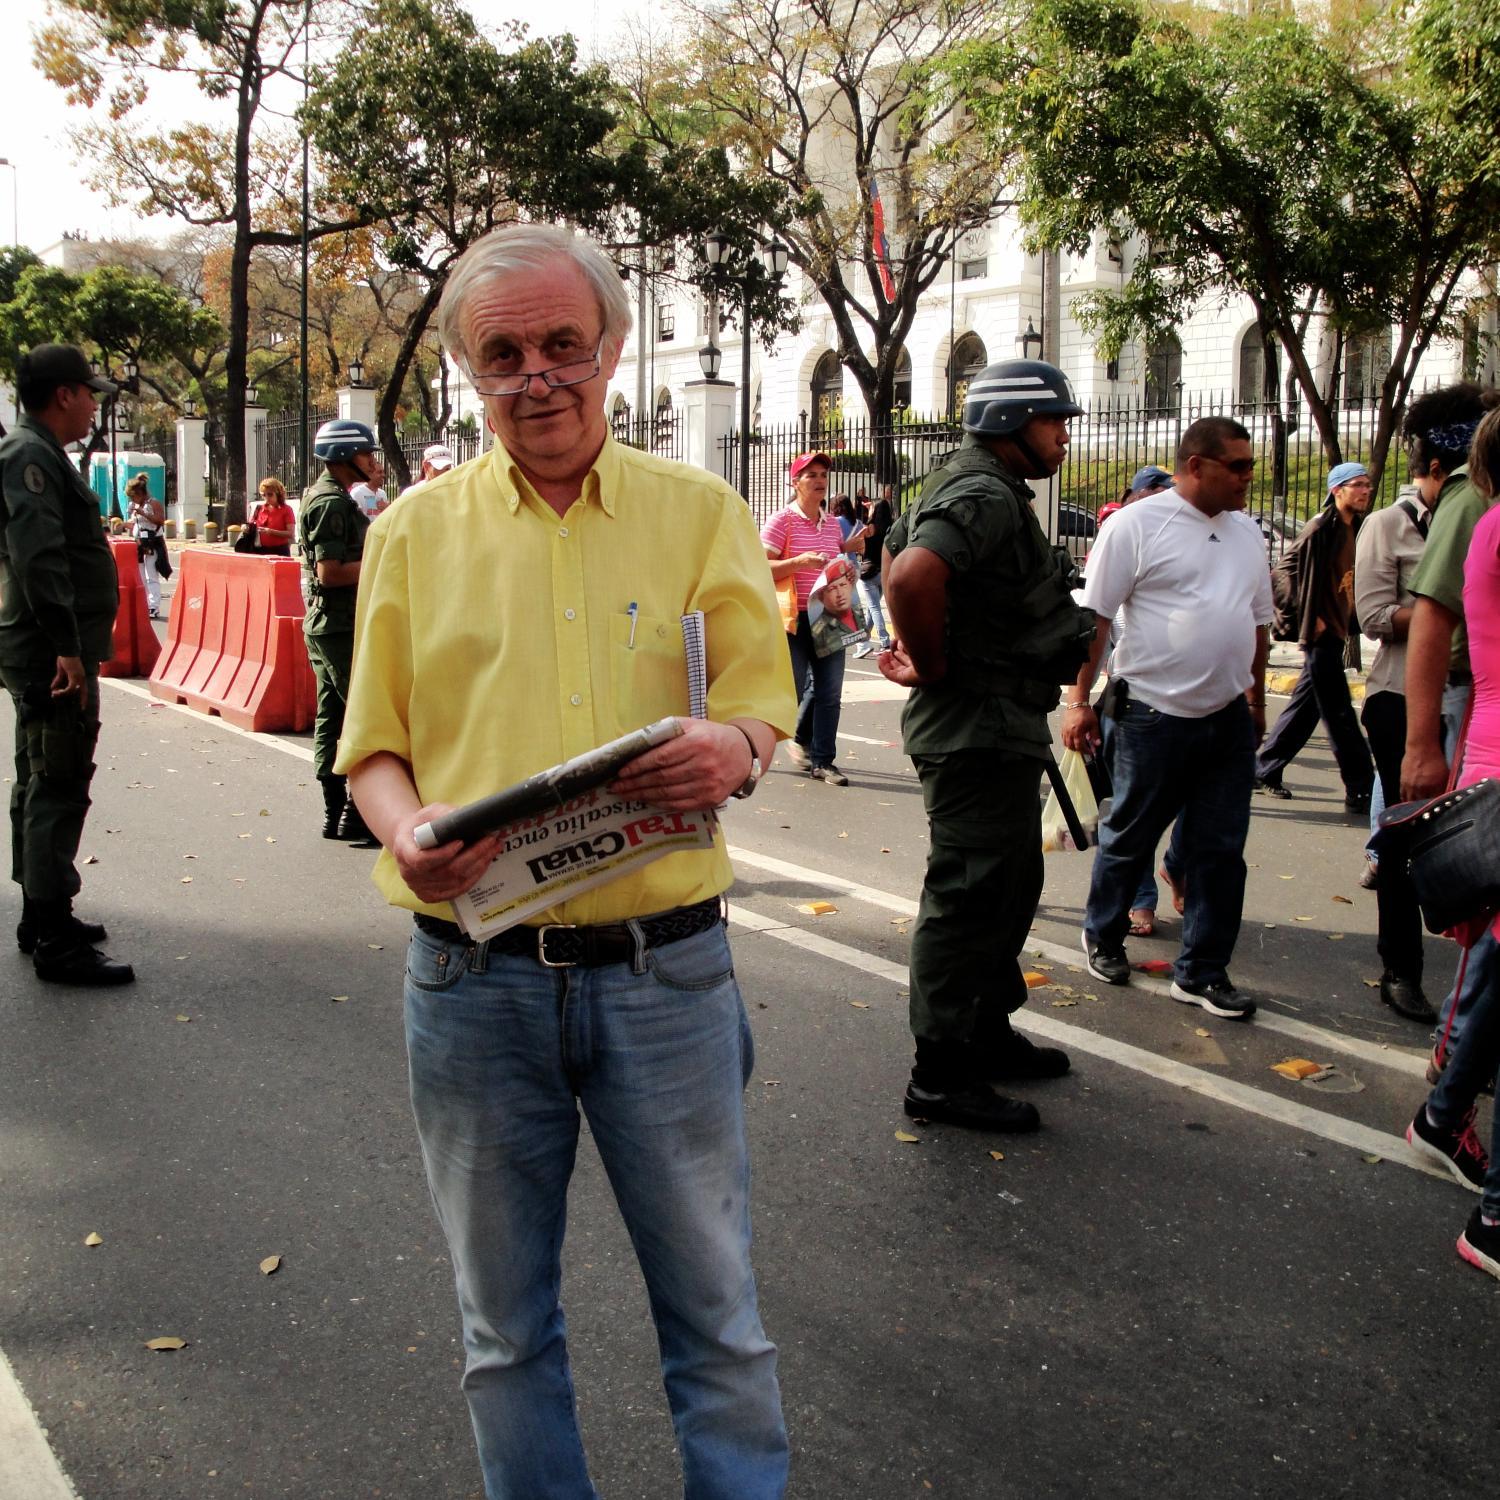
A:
(541, 946)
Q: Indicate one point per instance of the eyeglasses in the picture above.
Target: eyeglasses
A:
(1245, 467)
(575, 372)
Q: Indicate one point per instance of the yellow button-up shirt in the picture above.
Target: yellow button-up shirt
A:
(492, 639)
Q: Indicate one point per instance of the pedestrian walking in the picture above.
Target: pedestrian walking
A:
(1443, 1128)
(274, 523)
(871, 590)
(556, 626)
(146, 516)
(1386, 558)
(1186, 573)
(986, 629)
(1438, 429)
(1315, 584)
(59, 595)
(800, 540)
(331, 532)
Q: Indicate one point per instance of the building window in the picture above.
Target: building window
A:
(1112, 369)
(1164, 378)
(901, 383)
(967, 360)
(1367, 358)
(666, 323)
(1114, 248)
(704, 306)
(1259, 376)
(662, 437)
(974, 269)
(827, 396)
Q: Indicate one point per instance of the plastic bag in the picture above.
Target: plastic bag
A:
(1055, 832)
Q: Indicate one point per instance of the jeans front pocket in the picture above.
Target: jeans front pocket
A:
(433, 965)
(701, 962)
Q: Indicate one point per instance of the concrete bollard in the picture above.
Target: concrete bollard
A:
(171, 530)
(234, 534)
(210, 531)
(190, 531)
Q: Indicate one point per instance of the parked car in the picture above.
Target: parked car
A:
(1075, 521)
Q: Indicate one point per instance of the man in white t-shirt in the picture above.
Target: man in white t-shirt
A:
(370, 498)
(1186, 572)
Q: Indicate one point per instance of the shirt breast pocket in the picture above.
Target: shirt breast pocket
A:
(648, 672)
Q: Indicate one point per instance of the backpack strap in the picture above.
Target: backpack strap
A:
(1418, 520)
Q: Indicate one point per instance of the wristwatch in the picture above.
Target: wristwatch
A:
(756, 769)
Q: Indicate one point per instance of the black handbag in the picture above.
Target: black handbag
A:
(1451, 846)
(249, 538)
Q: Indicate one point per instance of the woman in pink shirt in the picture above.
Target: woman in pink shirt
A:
(800, 539)
(1443, 1128)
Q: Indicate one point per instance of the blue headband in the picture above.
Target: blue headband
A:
(1454, 438)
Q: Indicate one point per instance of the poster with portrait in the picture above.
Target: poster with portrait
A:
(835, 612)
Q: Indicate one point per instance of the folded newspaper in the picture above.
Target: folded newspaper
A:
(564, 834)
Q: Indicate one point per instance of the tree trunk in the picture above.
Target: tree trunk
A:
(404, 356)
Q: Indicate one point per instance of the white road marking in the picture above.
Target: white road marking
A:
(139, 690)
(1342, 1132)
(1399, 1059)
(29, 1470)
(860, 739)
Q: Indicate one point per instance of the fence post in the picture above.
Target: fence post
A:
(708, 417)
(192, 454)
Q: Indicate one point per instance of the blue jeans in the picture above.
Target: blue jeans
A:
(819, 680)
(1201, 772)
(502, 1052)
(1146, 895)
(871, 595)
(1471, 1066)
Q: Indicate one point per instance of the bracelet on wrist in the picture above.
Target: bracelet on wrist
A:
(1082, 703)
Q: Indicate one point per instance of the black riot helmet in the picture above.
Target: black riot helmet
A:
(1004, 396)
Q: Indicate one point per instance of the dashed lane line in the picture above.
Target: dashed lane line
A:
(1402, 1060)
(1361, 1138)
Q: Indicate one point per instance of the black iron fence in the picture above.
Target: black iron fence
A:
(278, 449)
(1108, 443)
(661, 434)
(463, 442)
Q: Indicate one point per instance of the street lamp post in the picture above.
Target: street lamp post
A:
(1030, 342)
(356, 373)
(774, 257)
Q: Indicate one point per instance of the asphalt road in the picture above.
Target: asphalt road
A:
(1198, 1278)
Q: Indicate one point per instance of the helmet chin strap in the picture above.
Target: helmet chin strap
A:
(1036, 468)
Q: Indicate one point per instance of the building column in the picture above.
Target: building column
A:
(255, 421)
(708, 415)
(192, 463)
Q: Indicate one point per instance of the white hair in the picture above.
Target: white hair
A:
(531, 247)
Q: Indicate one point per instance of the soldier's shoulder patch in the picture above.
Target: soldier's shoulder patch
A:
(34, 479)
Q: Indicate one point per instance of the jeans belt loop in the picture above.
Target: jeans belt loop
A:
(480, 962)
(638, 957)
(541, 946)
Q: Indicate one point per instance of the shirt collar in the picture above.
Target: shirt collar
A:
(600, 484)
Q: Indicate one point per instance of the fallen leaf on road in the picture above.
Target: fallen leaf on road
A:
(885, 804)
(1374, 1161)
(1286, 877)
(90, 859)
(269, 839)
(907, 1136)
(337, 998)
(860, 1004)
(817, 908)
(1201, 1031)
(885, 851)
(1061, 1001)
(1035, 979)
(1372, 984)
(183, 1018)
(1342, 900)
(1296, 1068)
(1335, 937)
(997, 1156)
(1269, 926)
(190, 856)
(771, 1083)
(1302, 919)
(375, 946)
(93, 1239)
(245, 835)
(265, 812)
(186, 880)
(270, 1265)
(899, 921)
(843, 835)
(163, 1345)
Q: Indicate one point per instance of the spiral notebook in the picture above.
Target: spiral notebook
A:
(695, 651)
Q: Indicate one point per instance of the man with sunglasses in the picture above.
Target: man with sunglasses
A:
(556, 626)
(1186, 573)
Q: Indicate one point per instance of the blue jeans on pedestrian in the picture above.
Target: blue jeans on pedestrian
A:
(1147, 895)
(1200, 772)
(1471, 1066)
(502, 1052)
(872, 596)
(819, 681)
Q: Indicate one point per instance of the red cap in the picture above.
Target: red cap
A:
(802, 460)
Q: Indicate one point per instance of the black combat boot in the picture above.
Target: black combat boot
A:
(335, 800)
(27, 931)
(946, 1088)
(353, 828)
(63, 957)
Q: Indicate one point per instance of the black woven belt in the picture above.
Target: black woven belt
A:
(564, 946)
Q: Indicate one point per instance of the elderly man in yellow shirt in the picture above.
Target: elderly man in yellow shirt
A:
(553, 626)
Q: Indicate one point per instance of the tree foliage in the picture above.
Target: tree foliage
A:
(1343, 179)
(827, 102)
(108, 55)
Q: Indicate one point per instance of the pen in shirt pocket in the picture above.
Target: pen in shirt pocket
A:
(635, 613)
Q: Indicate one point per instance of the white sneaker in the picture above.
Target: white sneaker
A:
(797, 755)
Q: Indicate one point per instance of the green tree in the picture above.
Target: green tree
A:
(108, 53)
(1342, 175)
(829, 102)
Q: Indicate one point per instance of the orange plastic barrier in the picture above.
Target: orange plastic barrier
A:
(234, 642)
(136, 645)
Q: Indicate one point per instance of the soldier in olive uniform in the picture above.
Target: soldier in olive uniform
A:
(986, 631)
(59, 593)
(331, 530)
